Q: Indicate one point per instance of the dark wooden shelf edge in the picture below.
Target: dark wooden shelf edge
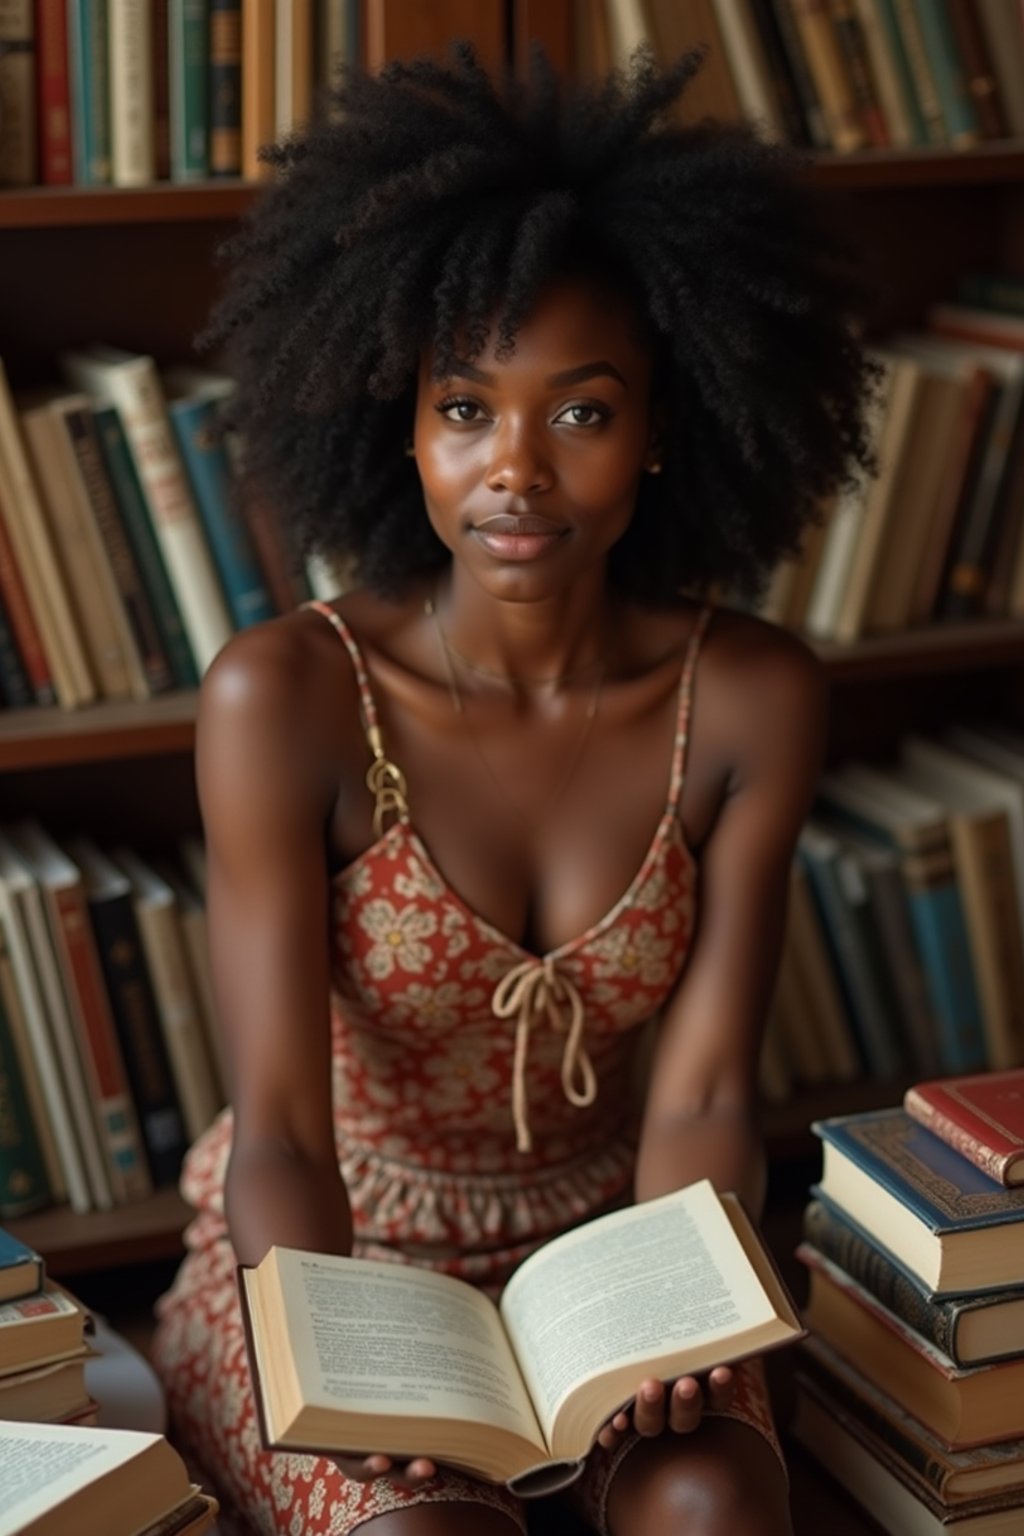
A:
(129, 1234)
(46, 738)
(914, 652)
(993, 161)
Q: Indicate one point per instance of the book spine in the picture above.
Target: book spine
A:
(966, 1134)
(943, 55)
(884, 73)
(89, 44)
(977, 66)
(23, 1184)
(858, 68)
(108, 1083)
(1001, 25)
(925, 87)
(803, 80)
(225, 87)
(748, 66)
(135, 389)
(131, 93)
(19, 613)
(132, 504)
(937, 915)
(152, 673)
(904, 966)
(31, 1072)
(37, 560)
(15, 689)
(19, 141)
(826, 64)
(137, 1021)
(53, 94)
(258, 107)
(780, 74)
(965, 585)
(876, 1272)
(206, 461)
(188, 24)
(161, 91)
(984, 864)
(888, 22)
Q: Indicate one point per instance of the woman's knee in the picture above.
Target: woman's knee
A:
(443, 1519)
(725, 1480)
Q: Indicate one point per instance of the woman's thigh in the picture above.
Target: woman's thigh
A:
(443, 1520)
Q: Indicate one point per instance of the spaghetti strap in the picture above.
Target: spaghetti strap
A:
(685, 699)
(384, 778)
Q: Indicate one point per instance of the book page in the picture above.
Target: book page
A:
(41, 1465)
(629, 1286)
(390, 1339)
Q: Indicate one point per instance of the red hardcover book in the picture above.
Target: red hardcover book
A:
(53, 93)
(981, 1117)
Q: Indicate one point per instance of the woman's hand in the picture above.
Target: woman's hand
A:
(680, 1409)
(407, 1474)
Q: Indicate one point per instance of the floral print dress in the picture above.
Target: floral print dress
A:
(479, 1110)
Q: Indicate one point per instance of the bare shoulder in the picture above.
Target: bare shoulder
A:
(769, 691)
(274, 677)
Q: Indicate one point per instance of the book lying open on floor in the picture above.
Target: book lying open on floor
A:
(356, 1356)
(57, 1478)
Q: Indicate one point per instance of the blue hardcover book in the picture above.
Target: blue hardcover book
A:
(209, 470)
(90, 91)
(21, 1270)
(949, 1224)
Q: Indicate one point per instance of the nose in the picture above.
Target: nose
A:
(518, 465)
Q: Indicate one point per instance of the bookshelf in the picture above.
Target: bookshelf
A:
(132, 266)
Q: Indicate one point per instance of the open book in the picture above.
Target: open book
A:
(356, 1356)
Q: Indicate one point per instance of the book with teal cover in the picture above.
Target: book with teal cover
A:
(21, 1269)
(950, 81)
(886, 12)
(193, 418)
(942, 1189)
(188, 44)
(89, 75)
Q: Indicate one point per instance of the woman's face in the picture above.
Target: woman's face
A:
(530, 467)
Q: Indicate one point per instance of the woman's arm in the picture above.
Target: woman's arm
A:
(265, 789)
(699, 1118)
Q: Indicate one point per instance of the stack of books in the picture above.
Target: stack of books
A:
(109, 1062)
(911, 1391)
(903, 956)
(43, 1346)
(160, 90)
(96, 1482)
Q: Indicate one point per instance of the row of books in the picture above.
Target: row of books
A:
(61, 1472)
(126, 561)
(839, 75)
(109, 1057)
(904, 947)
(911, 1387)
(97, 93)
(938, 534)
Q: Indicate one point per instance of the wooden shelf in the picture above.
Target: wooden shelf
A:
(161, 203)
(47, 738)
(165, 726)
(1001, 160)
(129, 1234)
(995, 161)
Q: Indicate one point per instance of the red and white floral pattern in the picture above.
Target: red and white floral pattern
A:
(422, 1082)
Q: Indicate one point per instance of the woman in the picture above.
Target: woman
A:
(524, 790)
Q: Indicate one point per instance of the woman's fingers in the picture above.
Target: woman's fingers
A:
(410, 1475)
(649, 1410)
(686, 1406)
(721, 1389)
(612, 1432)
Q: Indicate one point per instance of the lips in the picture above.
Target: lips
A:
(519, 525)
(518, 536)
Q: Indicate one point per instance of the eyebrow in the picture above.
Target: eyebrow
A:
(579, 375)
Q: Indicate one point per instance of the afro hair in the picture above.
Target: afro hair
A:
(430, 204)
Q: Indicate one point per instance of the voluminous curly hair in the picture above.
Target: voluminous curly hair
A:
(432, 204)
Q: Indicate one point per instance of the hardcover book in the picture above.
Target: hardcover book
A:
(981, 1117)
(938, 1214)
(361, 1356)
(45, 1326)
(975, 1329)
(21, 1269)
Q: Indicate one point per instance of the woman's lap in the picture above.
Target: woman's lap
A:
(200, 1353)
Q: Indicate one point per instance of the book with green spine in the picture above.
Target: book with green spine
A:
(188, 25)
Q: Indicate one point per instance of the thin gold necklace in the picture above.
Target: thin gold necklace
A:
(458, 704)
